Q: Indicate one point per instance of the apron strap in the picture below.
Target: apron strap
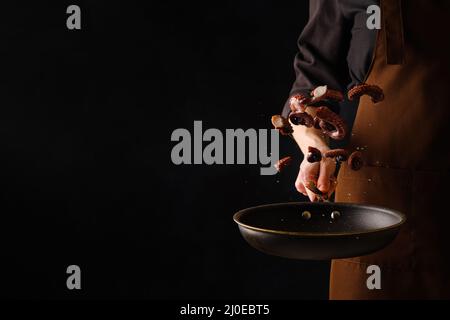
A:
(393, 31)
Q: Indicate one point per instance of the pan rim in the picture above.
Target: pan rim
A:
(402, 217)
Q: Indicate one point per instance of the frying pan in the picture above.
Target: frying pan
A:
(283, 230)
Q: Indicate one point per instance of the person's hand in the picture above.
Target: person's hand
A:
(321, 174)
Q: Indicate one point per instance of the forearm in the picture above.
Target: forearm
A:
(306, 137)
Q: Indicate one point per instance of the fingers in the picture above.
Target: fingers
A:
(323, 183)
(309, 173)
(312, 196)
(326, 176)
(321, 174)
(300, 186)
(333, 185)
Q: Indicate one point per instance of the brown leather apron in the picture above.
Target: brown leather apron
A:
(404, 140)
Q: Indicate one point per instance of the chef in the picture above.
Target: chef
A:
(403, 138)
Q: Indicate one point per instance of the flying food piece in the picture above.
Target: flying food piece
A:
(316, 124)
(301, 119)
(331, 124)
(356, 161)
(323, 93)
(375, 92)
(298, 103)
(340, 155)
(278, 121)
(282, 124)
(283, 163)
(314, 155)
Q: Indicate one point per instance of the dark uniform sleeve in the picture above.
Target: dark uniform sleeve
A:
(323, 49)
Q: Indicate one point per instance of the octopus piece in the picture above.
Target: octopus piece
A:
(340, 155)
(331, 124)
(314, 155)
(282, 124)
(323, 93)
(298, 103)
(375, 92)
(355, 161)
(316, 123)
(283, 163)
(301, 119)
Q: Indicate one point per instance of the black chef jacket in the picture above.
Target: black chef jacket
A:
(335, 47)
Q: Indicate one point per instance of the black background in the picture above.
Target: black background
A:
(85, 124)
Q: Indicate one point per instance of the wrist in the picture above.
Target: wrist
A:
(310, 137)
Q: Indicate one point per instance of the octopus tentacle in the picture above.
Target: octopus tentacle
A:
(282, 124)
(301, 118)
(316, 123)
(356, 161)
(323, 93)
(314, 155)
(299, 103)
(331, 124)
(375, 92)
(340, 155)
(283, 163)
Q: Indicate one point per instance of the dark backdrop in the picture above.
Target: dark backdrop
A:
(85, 124)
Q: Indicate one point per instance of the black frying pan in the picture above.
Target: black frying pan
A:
(284, 229)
